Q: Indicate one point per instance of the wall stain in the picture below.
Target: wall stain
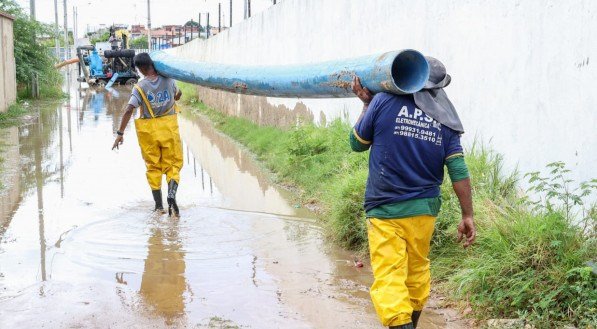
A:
(255, 108)
(583, 63)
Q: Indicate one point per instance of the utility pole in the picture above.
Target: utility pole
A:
(32, 9)
(230, 13)
(245, 5)
(148, 25)
(199, 22)
(66, 55)
(74, 27)
(219, 17)
(56, 30)
(208, 29)
(249, 7)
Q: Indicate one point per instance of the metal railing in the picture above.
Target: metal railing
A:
(140, 50)
(61, 55)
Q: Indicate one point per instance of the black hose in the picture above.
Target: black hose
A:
(125, 53)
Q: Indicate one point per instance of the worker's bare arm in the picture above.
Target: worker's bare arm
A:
(128, 113)
(466, 228)
(362, 93)
(178, 95)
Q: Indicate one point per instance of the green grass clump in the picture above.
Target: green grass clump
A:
(12, 115)
(531, 258)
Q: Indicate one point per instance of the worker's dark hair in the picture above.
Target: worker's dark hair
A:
(143, 61)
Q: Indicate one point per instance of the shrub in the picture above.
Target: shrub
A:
(32, 57)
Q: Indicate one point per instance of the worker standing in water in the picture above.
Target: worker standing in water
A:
(157, 130)
(412, 138)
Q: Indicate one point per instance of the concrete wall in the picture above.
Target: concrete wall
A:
(8, 82)
(522, 71)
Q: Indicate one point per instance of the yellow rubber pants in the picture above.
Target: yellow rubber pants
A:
(161, 148)
(399, 250)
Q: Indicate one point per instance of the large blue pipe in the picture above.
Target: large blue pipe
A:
(399, 72)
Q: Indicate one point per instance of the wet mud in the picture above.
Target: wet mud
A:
(80, 247)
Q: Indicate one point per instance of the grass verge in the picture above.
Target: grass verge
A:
(531, 257)
(12, 116)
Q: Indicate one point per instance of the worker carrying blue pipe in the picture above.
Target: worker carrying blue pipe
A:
(157, 130)
(411, 138)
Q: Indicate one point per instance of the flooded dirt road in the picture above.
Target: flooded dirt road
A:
(80, 247)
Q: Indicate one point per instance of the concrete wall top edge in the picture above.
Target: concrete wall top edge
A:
(3, 14)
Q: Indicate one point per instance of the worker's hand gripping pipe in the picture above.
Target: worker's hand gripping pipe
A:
(398, 72)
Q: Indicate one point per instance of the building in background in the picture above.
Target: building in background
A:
(138, 31)
(8, 73)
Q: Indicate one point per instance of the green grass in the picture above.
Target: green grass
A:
(528, 262)
(12, 116)
(50, 87)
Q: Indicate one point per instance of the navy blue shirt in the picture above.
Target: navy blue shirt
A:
(408, 150)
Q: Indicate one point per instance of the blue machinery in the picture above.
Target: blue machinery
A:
(398, 72)
(95, 64)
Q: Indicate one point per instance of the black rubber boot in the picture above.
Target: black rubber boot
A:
(415, 317)
(157, 197)
(403, 326)
(172, 206)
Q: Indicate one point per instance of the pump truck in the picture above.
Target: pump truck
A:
(97, 71)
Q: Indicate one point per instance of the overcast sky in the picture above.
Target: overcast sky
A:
(163, 12)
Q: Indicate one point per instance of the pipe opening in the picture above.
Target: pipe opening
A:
(410, 71)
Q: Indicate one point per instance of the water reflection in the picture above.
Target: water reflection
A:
(10, 196)
(233, 172)
(40, 198)
(163, 283)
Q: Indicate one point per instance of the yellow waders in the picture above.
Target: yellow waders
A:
(399, 250)
(160, 144)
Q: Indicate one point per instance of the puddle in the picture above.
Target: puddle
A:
(80, 247)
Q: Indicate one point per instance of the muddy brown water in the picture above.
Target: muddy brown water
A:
(80, 247)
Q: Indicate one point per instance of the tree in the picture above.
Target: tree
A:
(31, 55)
(139, 43)
(101, 38)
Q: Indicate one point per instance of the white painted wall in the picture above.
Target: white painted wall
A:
(523, 71)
